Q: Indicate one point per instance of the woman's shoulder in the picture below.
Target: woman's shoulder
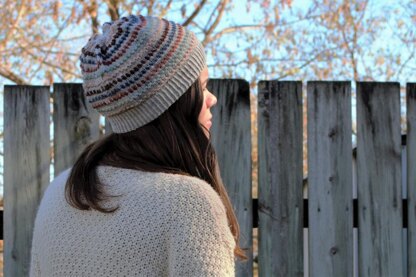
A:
(176, 188)
(190, 188)
(173, 183)
(193, 197)
(58, 184)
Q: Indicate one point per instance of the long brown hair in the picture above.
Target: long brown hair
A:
(175, 142)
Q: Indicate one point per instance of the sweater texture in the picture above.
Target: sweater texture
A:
(165, 225)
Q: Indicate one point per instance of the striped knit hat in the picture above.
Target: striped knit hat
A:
(138, 68)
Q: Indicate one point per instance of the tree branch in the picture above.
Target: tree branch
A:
(6, 73)
(350, 50)
(150, 7)
(53, 41)
(165, 9)
(92, 10)
(113, 9)
(307, 62)
(257, 26)
(15, 23)
(194, 13)
(50, 64)
(260, 60)
(211, 16)
(234, 29)
(208, 32)
(39, 46)
(405, 63)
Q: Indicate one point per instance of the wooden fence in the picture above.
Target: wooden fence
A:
(385, 247)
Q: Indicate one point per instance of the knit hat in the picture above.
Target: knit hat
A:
(137, 68)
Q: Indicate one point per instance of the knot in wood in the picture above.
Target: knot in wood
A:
(265, 114)
(83, 130)
(332, 133)
(15, 255)
(333, 250)
(263, 102)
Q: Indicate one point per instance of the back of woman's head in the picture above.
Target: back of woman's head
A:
(174, 142)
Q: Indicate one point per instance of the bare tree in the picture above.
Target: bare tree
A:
(40, 40)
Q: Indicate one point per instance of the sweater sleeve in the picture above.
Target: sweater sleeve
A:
(200, 241)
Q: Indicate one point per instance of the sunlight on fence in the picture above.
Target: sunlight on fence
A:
(372, 187)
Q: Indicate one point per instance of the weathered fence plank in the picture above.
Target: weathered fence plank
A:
(330, 179)
(231, 137)
(411, 177)
(26, 170)
(379, 179)
(75, 124)
(280, 178)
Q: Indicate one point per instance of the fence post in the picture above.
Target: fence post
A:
(330, 179)
(379, 179)
(280, 178)
(231, 137)
(75, 124)
(26, 170)
(411, 177)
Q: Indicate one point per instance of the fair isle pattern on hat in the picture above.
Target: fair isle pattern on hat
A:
(137, 68)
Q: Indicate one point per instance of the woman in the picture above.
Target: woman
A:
(147, 199)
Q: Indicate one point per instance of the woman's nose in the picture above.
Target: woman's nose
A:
(212, 100)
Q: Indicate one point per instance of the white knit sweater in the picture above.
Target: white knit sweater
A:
(166, 225)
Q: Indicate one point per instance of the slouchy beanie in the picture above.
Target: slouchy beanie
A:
(137, 68)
